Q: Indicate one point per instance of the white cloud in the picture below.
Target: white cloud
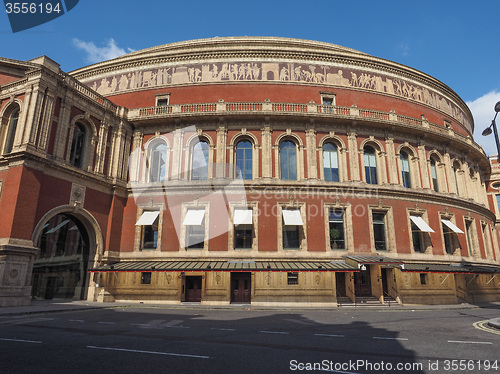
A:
(97, 54)
(404, 49)
(483, 111)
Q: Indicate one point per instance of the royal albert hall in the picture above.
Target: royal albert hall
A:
(259, 170)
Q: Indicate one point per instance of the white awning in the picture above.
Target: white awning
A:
(194, 217)
(421, 224)
(243, 217)
(147, 218)
(292, 218)
(452, 226)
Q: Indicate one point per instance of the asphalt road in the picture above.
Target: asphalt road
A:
(196, 340)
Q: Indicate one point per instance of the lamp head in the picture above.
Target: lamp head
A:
(497, 107)
(487, 131)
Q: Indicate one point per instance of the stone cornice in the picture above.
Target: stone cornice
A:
(261, 48)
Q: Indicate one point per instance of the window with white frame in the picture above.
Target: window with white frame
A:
(450, 231)
(419, 232)
(370, 160)
(244, 161)
(199, 160)
(292, 227)
(195, 228)
(243, 228)
(336, 228)
(405, 169)
(78, 145)
(379, 230)
(158, 162)
(434, 175)
(149, 229)
(11, 131)
(288, 160)
(330, 162)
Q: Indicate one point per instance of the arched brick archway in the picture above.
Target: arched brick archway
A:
(69, 242)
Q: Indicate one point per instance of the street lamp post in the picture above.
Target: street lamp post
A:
(487, 131)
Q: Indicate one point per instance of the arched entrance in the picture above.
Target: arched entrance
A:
(60, 267)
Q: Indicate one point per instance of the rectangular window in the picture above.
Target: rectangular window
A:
(243, 236)
(450, 231)
(498, 202)
(418, 228)
(327, 101)
(418, 243)
(146, 278)
(149, 229)
(336, 226)
(291, 237)
(379, 234)
(468, 233)
(486, 240)
(292, 222)
(423, 278)
(293, 278)
(195, 232)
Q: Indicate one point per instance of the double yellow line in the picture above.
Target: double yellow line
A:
(483, 325)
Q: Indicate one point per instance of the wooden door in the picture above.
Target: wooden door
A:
(241, 287)
(340, 284)
(362, 285)
(193, 288)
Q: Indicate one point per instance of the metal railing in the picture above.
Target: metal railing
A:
(268, 107)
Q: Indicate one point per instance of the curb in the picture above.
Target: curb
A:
(495, 323)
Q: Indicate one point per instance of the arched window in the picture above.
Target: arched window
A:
(288, 160)
(11, 132)
(77, 145)
(158, 162)
(199, 161)
(244, 159)
(330, 162)
(405, 169)
(434, 175)
(370, 165)
(456, 169)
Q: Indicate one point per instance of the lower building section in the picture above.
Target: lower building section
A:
(321, 287)
(16, 262)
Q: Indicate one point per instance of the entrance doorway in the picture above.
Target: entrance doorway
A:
(241, 287)
(340, 284)
(60, 267)
(193, 289)
(362, 285)
(385, 287)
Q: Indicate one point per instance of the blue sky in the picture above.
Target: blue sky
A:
(456, 42)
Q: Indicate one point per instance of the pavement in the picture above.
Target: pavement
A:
(59, 306)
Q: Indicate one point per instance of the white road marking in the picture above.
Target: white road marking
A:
(298, 321)
(140, 324)
(148, 352)
(21, 340)
(274, 332)
(385, 338)
(467, 342)
(331, 335)
(173, 322)
(76, 320)
(214, 328)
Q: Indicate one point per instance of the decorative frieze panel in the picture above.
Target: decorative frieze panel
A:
(246, 71)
